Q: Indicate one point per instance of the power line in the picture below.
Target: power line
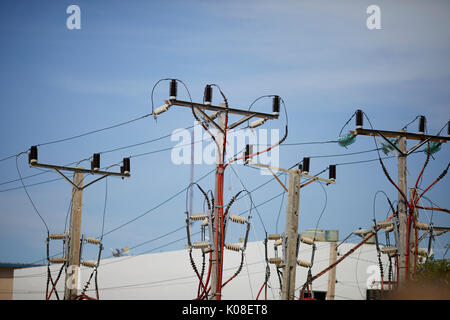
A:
(157, 206)
(86, 133)
(29, 198)
(252, 203)
(158, 151)
(171, 232)
(94, 131)
(103, 152)
(57, 179)
(306, 143)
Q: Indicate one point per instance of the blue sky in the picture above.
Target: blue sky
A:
(318, 55)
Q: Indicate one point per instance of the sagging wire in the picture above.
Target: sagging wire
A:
(281, 206)
(267, 275)
(272, 146)
(28, 195)
(396, 227)
(189, 217)
(241, 221)
(95, 271)
(308, 283)
(411, 205)
(349, 138)
(153, 89)
(267, 272)
(205, 292)
(49, 277)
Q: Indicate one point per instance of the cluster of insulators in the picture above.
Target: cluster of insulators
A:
(207, 99)
(94, 241)
(236, 246)
(279, 241)
(95, 163)
(57, 236)
(349, 138)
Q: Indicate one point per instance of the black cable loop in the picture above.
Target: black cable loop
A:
(377, 246)
(205, 194)
(340, 132)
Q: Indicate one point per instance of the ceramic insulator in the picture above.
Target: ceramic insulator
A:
(307, 240)
(303, 263)
(57, 236)
(90, 264)
(198, 216)
(233, 246)
(238, 219)
(275, 236)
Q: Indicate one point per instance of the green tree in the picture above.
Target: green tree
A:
(432, 270)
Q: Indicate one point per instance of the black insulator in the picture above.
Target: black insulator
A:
(95, 163)
(359, 118)
(173, 89)
(126, 165)
(422, 124)
(306, 164)
(248, 152)
(121, 169)
(276, 104)
(33, 155)
(332, 172)
(448, 128)
(208, 94)
(300, 167)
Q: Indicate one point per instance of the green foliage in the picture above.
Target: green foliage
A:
(434, 270)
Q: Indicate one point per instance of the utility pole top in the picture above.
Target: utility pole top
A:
(406, 208)
(219, 216)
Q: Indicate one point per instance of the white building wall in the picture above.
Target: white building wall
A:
(169, 275)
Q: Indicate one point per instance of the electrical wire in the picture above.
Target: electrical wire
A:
(155, 207)
(158, 151)
(271, 147)
(29, 197)
(110, 151)
(178, 193)
(94, 131)
(308, 280)
(281, 206)
(348, 121)
(252, 203)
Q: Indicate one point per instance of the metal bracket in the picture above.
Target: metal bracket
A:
(390, 142)
(417, 146)
(242, 120)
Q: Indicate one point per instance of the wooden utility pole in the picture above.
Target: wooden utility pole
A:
(292, 214)
(402, 153)
(221, 112)
(73, 258)
(332, 272)
(402, 209)
(290, 264)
